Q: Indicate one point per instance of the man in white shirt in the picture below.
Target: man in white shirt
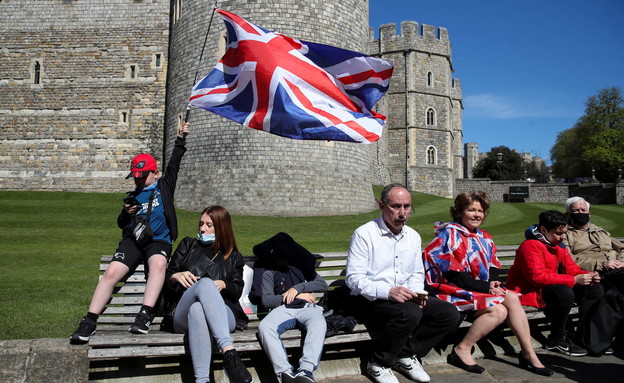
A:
(386, 276)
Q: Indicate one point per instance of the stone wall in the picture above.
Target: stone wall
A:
(549, 192)
(101, 69)
(253, 172)
(86, 85)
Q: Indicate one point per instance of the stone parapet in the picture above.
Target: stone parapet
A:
(42, 361)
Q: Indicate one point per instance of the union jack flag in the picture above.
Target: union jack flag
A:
(455, 248)
(292, 88)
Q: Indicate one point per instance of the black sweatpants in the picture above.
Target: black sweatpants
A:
(559, 300)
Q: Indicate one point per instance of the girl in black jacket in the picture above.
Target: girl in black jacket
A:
(204, 284)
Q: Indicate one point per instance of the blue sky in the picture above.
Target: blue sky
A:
(526, 67)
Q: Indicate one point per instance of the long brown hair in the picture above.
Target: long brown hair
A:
(224, 235)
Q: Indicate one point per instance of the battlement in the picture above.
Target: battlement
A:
(412, 36)
(456, 89)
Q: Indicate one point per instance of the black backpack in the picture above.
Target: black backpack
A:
(602, 325)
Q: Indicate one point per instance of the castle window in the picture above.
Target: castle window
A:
(157, 60)
(429, 79)
(124, 117)
(132, 71)
(37, 73)
(431, 117)
(432, 155)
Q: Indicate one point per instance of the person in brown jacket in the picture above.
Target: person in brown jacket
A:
(594, 249)
(591, 246)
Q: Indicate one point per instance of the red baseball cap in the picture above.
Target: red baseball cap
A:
(141, 165)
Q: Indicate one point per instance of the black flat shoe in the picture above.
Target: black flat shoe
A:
(454, 360)
(536, 370)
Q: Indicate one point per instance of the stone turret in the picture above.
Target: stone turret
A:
(424, 131)
(253, 172)
(471, 158)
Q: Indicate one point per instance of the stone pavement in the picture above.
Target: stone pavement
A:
(504, 369)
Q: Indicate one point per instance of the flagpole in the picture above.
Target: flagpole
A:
(201, 55)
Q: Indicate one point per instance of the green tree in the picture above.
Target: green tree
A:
(512, 165)
(596, 141)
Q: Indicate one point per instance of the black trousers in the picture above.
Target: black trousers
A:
(559, 300)
(404, 329)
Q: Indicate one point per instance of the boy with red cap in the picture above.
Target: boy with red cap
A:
(152, 203)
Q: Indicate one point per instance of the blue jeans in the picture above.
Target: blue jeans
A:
(309, 320)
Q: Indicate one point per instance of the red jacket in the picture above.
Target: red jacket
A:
(538, 265)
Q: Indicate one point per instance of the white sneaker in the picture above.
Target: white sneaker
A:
(381, 374)
(412, 368)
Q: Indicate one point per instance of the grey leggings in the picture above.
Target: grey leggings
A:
(202, 312)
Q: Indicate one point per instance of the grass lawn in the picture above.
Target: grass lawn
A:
(51, 243)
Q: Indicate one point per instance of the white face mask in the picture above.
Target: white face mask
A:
(206, 237)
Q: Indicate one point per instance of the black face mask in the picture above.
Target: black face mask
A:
(579, 219)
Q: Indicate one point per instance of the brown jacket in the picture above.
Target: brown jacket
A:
(592, 246)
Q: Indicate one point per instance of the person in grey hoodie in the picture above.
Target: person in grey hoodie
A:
(292, 302)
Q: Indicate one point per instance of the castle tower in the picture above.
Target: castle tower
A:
(471, 158)
(253, 172)
(82, 90)
(424, 131)
(86, 85)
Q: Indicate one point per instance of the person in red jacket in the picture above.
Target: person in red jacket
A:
(548, 278)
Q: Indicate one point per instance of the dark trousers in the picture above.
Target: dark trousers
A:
(404, 329)
(559, 300)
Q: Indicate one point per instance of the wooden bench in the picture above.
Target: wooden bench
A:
(112, 341)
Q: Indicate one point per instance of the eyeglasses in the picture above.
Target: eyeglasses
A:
(401, 208)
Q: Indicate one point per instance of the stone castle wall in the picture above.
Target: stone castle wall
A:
(253, 172)
(80, 126)
(111, 78)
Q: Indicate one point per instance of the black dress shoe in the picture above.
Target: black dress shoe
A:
(454, 360)
(536, 370)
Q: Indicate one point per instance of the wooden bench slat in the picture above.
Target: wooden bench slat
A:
(140, 268)
(330, 273)
(135, 352)
(332, 263)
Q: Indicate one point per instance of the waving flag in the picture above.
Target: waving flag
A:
(293, 88)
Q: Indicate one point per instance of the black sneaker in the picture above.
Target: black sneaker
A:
(565, 346)
(304, 376)
(141, 324)
(235, 369)
(86, 328)
(287, 377)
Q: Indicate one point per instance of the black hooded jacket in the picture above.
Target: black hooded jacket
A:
(167, 185)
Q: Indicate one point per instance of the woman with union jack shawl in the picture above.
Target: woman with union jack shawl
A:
(462, 267)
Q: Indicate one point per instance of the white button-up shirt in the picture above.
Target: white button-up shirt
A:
(378, 260)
